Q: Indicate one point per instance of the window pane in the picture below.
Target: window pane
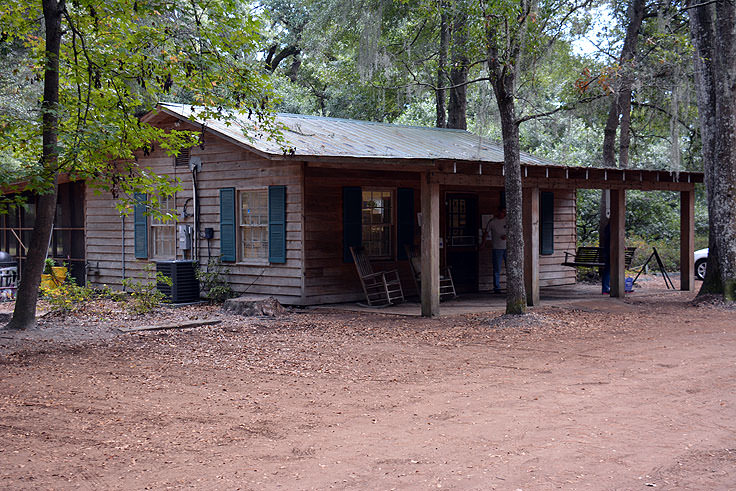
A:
(163, 229)
(254, 224)
(377, 222)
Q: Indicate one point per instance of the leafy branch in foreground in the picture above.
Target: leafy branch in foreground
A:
(103, 64)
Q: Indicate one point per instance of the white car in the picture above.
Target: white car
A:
(701, 262)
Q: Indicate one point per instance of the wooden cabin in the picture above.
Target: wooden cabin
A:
(281, 217)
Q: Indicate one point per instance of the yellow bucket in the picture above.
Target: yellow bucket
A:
(55, 279)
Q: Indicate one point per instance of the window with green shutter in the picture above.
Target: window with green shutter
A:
(140, 226)
(277, 224)
(227, 225)
(405, 220)
(352, 225)
(546, 223)
(253, 228)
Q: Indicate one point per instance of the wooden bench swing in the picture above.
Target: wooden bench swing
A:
(592, 257)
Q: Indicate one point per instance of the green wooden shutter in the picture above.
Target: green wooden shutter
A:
(352, 224)
(277, 224)
(405, 220)
(227, 225)
(547, 223)
(140, 226)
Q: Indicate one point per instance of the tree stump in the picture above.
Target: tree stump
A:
(254, 306)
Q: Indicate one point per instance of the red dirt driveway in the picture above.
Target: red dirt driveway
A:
(598, 395)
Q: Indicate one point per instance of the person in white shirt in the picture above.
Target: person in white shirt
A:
(497, 227)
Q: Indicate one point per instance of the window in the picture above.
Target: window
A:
(546, 223)
(163, 231)
(377, 223)
(254, 225)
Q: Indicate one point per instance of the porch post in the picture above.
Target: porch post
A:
(531, 245)
(618, 241)
(430, 246)
(687, 240)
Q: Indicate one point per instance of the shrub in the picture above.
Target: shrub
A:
(668, 250)
(110, 294)
(68, 296)
(144, 294)
(213, 282)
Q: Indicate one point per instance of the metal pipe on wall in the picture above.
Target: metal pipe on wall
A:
(195, 239)
(122, 243)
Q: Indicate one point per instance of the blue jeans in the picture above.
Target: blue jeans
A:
(606, 278)
(499, 256)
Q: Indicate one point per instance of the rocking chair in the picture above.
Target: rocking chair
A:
(447, 286)
(381, 288)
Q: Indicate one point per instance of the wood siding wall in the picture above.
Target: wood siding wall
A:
(314, 271)
(327, 278)
(223, 165)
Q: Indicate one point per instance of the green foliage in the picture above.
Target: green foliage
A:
(118, 58)
(213, 282)
(652, 220)
(48, 266)
(68, 296)
(144, 294)
(650, 215)
(108, 293)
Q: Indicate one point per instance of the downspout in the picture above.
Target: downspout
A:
(195, 239)
(122, 242)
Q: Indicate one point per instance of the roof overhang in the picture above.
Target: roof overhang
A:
(484, 171)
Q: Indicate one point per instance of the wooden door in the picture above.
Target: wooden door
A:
(461, 239)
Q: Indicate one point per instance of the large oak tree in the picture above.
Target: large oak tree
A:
(713, 32)
(101, 65)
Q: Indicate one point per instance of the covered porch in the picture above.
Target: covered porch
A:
(580, 296)
(534, 178)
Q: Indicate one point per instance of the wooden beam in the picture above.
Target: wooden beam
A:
(582, 183)
(469, 180)
(618, 241)
(531, 245)
(687, 240)
(430, 195)
(369, 164)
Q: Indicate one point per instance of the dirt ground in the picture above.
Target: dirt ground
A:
(600, 394)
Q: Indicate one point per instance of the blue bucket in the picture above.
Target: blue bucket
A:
(629, 285)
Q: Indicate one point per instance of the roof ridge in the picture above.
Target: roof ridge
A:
(379, 123)
(345, 120)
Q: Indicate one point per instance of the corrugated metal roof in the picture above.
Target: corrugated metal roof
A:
(313, 136)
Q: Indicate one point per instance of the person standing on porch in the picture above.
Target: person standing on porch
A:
(605, 245)
(497, 227)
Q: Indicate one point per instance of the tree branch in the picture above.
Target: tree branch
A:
(564, 107)
(698, 5)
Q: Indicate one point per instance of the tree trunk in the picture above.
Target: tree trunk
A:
(515, 291)
(503, 87)
(713, 31)
(624, 138)
(701, 32)
(24, 314)
(724, 195)
(619, 113)
(456, 110)
(628, 52)
(442, 67)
